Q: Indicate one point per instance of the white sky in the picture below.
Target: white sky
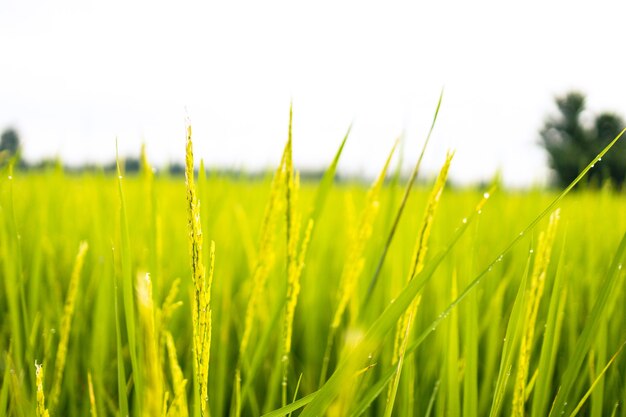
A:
(74, 75)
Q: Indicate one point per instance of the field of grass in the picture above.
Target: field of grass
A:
(115, 301)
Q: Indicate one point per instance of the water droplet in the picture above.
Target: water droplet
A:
(619, 266)
(464, 220)
(531, 251)
(120, 177)
(521, 233)
(592, 165)
(599, 159)
(490, 268)
(10, 177)
(480, 211)
(486, 195)
(53, 331)
(434, 328)
(284, 358)
(504, 340)
(499, 258)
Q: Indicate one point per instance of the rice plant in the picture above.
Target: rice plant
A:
(402, 297)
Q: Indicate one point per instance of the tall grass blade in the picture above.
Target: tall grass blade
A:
(128, 296)
(405, 197)
(512, 335)
(122, 397)
(327, 181)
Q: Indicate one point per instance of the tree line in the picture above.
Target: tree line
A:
(570, 139)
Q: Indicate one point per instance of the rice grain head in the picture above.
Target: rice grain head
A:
(403, 327)
(266, 253)
(178, 407)
(42, 411)
(537, 283)
(355, 259)
(66, 324)
(201, 310)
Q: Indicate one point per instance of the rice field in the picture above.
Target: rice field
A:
(158, 295)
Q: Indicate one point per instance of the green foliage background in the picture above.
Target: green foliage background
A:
(44, 216)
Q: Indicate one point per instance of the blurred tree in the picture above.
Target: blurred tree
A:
(571, 145)
(9, 144)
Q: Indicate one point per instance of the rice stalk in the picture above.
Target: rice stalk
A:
(417, 265)
(355, 258)
(178, 407)
(153, 377)
(405, 197)
(537, 283)
(42, 411)
(266, 253)
(551, 338)
(128, 292)
(153, 238)
(66, 324)
(295, 252)
(92, 397)
(167, 308)
(201, 309)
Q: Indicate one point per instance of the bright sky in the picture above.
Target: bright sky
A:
(75, 75)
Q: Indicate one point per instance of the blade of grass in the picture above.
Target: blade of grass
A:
(122, 399)
(431, 401)
(327, 181)
(405, 197)
(513, 332)
(127, 289)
